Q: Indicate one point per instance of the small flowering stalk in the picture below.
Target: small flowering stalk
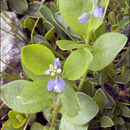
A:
(57, 83)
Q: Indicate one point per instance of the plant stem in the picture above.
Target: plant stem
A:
(33, 30)
(27, 123)
(55, 111)
(82, 81)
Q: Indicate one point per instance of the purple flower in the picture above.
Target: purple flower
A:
(84, 18)
(57, 63)
(98, 11)
(57, 84)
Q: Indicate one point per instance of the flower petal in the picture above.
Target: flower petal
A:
(57, 63)
(98, 11)
(51, 84)
(84, 18)
(59, 85)
(47, 72)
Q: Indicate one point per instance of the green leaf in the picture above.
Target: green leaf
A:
(125, 110)
(89, 88)
(110, 102)
(33, 10)
(19, 6)
(118, 120)
(47, 14)
(51, 6)
(100, 99)
(106, 122)
(70, 102)
(88, 111)
(69, 45)
(31, 75)
(61, 23)
(99, 31)
(50, 35)
(37, 91)
(37, 58)
(123, 79)
(125, 21)
(77, 63)
(67, 126)
(17, 119)
(29, 23)
(8, 126)
(37, 126)
(11, 95)
(105, 49)
(111, 18)
(71, 10)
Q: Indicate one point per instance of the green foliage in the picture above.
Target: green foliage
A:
(105, 49)
(100, 99)
(37, 126)
(37, 58)
(94, 61)
(37, 91)
(11, 94)
(19, 6)
(74, 67)
(88, 110)
(106, 122)
(69, 95)
(69, 45)
(17, 119)
(71, 10)
(66, 126)
(32, 10)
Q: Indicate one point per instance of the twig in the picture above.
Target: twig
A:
(33, 30)
(27, 123)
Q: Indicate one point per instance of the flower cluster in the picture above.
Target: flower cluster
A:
(58, 83)
(97, 12)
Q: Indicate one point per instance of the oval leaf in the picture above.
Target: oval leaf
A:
(17, 119)
(88, 111)
(33, 10)
(77, 63)
(100, 99)
(37, 58)
(36, 91)
(19, 6)
(67, 126)
(105, 49)
(71, 10)
(37, 126)
(69, 95)
(106, 122)
(31, 75)
(11, 95)
(68, 45)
